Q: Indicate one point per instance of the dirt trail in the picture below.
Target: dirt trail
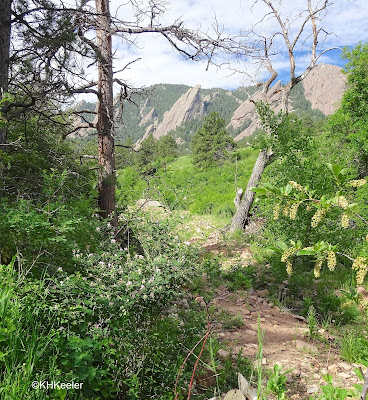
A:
(286, 340)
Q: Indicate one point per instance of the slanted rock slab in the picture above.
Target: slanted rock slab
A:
(300, 345)
(234, 394)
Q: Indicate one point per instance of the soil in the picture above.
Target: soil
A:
(286, 342)
(286, 336)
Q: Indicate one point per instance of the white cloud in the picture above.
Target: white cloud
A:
(160, 64)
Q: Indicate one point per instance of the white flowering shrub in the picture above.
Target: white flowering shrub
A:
(104, 320)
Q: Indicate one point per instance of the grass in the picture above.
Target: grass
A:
(182, 186)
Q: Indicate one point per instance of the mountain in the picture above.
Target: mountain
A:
(322, 88)
(179, 109)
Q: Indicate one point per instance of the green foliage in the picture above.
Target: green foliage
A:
(167, 148)
(293, 195)
(102, 322)
(211, 144)
(276, 383)
(331, 392)
(312, 322)
(230, 321)
(354, 345)
(349, 123)
(314, 181)
(46, 197)
(181, 185)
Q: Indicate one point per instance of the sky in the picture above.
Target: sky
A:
(345, 21)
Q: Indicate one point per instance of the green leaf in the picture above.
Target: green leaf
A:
(258, 190)
(274, 248)
(344, 171)
(282, 245)
(288, 189)
(330, 167)
(306, 252)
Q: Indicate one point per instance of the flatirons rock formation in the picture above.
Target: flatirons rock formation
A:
(247, 111)
(188, 106)
(169, 107)
(324, 87)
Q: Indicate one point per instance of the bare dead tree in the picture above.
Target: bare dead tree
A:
(191, 44)
(56, 43)
(296, 32)
(5, 28)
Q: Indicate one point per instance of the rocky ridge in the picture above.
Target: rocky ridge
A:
(323, 87)
(188, 106)
(169, 107)
(247, 111)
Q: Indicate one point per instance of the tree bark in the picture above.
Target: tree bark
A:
(241, 216)
(365, 385)
(105, 115)
(5, 28)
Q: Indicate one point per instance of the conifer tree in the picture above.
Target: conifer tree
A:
(211, 144)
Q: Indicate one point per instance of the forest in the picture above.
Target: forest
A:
(186, 266)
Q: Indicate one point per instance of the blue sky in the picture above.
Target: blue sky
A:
(346, 20)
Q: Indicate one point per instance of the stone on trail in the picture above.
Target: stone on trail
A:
(299, 344)
(312, 389)
(234, 394)
(223, 354)
(248, 391)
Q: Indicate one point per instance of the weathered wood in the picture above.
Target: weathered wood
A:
(365, 385)
(5, 28)
(241, 216)
(105, 114)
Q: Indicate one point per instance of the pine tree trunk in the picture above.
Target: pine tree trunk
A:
(5, 27)
(105, 123)
(240, 219)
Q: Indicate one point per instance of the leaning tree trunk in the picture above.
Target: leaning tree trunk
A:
(245, 203)
(365, 385)
(105, 113)
(5, 27)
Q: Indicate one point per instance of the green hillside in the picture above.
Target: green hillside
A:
(162, 97)
(181, 185)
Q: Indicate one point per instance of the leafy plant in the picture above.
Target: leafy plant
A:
(331, 392)
(276, 383)
(312, 322)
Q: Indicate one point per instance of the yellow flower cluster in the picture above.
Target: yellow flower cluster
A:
(294, 210)
(276, 212)
(285, 211)
(331, 260)
(289, 267)
(317, 267)
(358, 182)
(342, 202)
(296, 186)
(317, 217)
(288, 253)
(360, 265)
(345, 220)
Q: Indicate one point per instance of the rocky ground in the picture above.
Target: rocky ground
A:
(286, 342)
(286, 339)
